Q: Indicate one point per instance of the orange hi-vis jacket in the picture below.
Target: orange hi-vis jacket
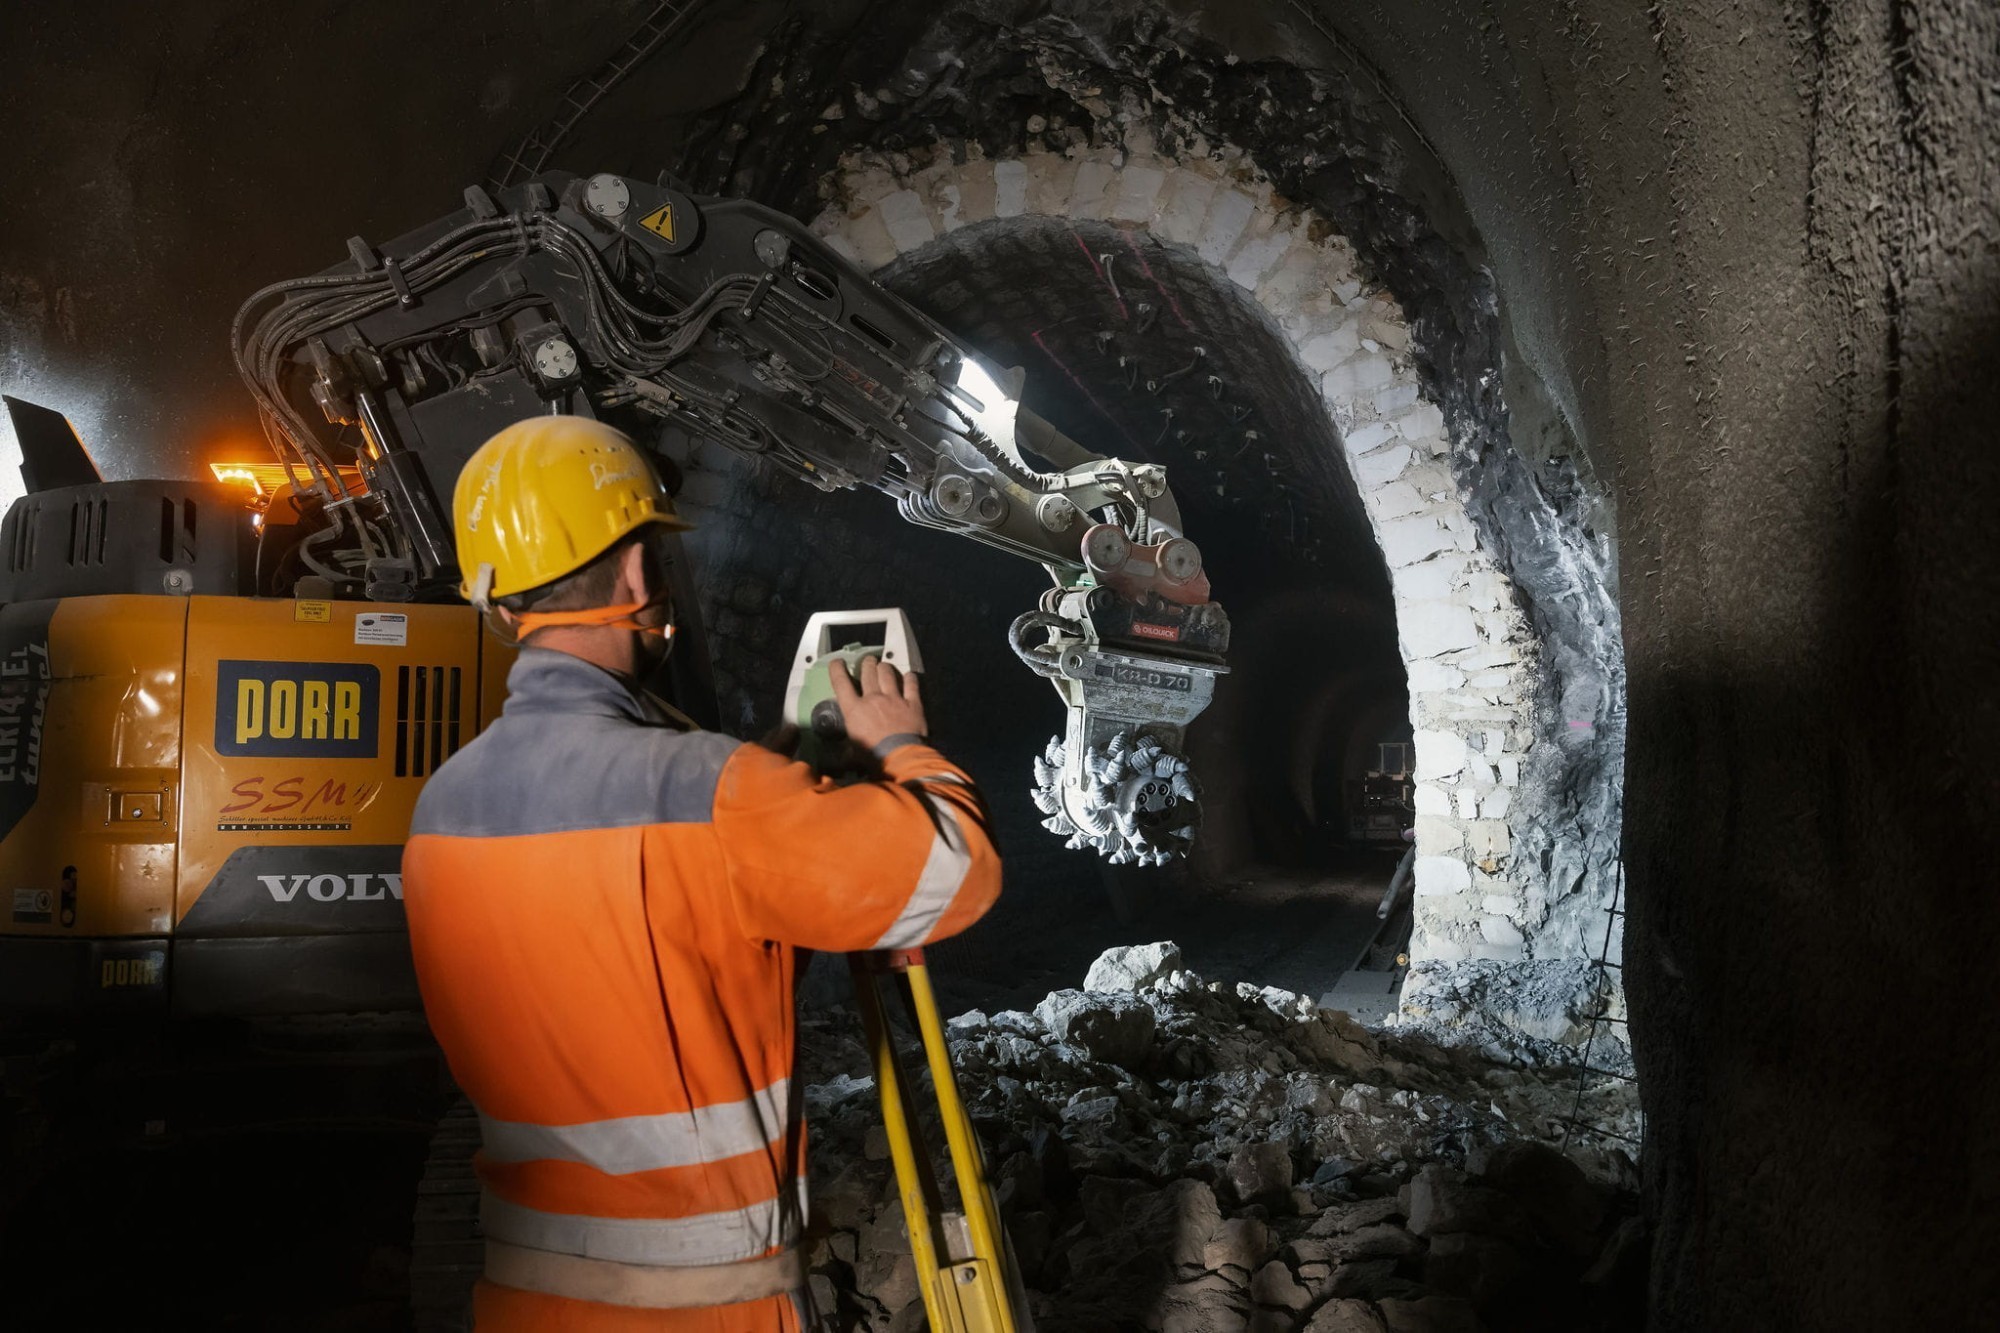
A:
(603, 912)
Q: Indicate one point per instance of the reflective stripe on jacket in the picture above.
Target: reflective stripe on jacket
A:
(602, 911)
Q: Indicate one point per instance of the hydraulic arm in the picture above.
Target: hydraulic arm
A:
(614, 297)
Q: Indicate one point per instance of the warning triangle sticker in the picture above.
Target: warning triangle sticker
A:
(660, 222)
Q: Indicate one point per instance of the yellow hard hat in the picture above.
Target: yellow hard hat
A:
(544, 498)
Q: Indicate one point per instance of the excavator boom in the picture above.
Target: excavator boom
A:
(639, 302)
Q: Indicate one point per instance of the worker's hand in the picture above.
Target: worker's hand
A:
(884, 702)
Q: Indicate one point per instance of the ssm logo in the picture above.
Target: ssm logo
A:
(307, 710)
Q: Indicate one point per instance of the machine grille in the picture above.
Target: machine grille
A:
(429, 700)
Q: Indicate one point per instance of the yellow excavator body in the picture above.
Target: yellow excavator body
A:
(203, 799)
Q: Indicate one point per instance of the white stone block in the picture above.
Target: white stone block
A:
(1468, 803)
(1323, 351)
(1186, 206)
(1437, 949)
(1405, 541)
(1287, 285)
(840, 245)
(1257, 254)
(1051, 179)
(1439, 836)
(1360, 375)
(1433, 801)
(1510, 772)
(1490, 839)
(1432, 629)
(1492, 655)
(1394, 499)
(1426, 677)
(1499, 930)
(1381, 467)
(1432, 581)
(1371, 436)
(1138, 189)
(1010, 188)
(1396, 398)
(1496, 743)
(1421, 420)
(1495, 804)
(949, 204)
(1500, 904)
(1491, 680)
(1391, 333)
(1440, 754)
(873, 246)
(1440, 875)
(908, 221)
(1228, 214)
(1087, 195)
(974, 183)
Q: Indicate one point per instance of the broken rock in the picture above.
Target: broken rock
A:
(1243, 1243)
(1274, 1285)
(1345, 1316)
(1133, 968)
(1116, 1029)
(1443, 1201)
(1261, 1173)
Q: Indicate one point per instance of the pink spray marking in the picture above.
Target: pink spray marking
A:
(1172, 304)
(1084, 389)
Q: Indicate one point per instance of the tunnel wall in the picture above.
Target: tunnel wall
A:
(1471, 655)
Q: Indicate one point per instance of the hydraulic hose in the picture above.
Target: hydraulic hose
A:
(1039, 659)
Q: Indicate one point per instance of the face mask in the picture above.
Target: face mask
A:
(655, 643)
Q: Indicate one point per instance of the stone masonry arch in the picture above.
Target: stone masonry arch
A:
(1469, 651)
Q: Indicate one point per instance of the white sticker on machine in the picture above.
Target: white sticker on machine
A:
(384, 629)
(34, 906)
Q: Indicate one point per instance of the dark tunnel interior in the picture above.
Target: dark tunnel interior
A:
(1684, 612)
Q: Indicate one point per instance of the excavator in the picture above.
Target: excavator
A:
(216, 711)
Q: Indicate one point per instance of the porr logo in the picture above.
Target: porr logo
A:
(335, 888)
(313, 710)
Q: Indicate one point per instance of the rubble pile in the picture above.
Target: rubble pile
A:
(1175, 1155)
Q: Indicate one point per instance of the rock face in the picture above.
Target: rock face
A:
(1175, 1155)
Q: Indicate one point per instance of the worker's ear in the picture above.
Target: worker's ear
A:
(634, 574)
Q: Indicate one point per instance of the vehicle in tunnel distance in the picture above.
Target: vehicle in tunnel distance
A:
(218, 700)
(1381, 803)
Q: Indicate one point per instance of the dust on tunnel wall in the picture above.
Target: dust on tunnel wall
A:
(1750, 253)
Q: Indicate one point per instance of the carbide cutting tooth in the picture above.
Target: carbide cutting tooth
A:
(1044, 802)
(1120, 857)
(1183, 788)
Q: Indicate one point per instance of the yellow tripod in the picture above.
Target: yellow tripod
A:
(963, 1266)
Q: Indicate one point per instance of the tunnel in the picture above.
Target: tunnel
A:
(1584, 415)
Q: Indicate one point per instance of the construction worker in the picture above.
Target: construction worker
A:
(603, 908)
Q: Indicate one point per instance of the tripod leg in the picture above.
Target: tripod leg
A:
(914, 1182)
